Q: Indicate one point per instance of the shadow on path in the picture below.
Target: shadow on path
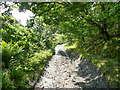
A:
(93, 78)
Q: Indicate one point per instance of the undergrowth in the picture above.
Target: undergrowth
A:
(108, 66)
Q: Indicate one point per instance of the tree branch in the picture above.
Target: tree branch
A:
(90, 21)
(63, 3)
(117, 11)
(47, 10)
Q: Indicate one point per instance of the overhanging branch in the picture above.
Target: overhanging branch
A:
(90, 21)
(47, 9)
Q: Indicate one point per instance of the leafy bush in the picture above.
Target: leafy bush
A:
(19, 67)
(8, 51)
(23, 59)
(6, 81)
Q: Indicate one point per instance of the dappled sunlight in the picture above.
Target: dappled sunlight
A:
(60, 44)
(70, 71)
(92, 77)
(60, 48)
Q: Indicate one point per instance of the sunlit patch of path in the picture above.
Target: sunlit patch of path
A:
(61, 73)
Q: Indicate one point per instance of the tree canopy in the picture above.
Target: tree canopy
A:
(94, 24)
(92, 27)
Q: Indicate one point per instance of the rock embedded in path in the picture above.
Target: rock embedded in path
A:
(59, 75)
(63, 72)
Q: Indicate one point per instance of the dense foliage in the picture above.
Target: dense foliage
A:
(91, 27)
(25, 51)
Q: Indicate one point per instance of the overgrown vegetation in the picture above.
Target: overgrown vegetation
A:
(108, 66)
(93, 28)
(25, 52)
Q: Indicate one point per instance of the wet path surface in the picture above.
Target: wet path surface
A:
(61, 72)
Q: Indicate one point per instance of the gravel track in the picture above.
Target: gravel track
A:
(63, 72)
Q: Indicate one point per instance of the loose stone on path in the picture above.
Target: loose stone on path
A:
(61, 73)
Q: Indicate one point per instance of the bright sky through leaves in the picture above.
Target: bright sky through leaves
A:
(22, 16)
